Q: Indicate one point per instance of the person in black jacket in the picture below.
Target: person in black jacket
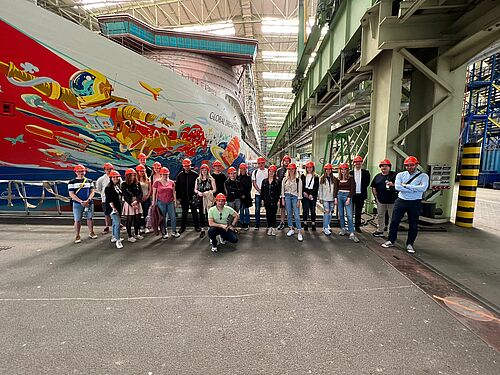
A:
(219, 177)
(232, 187)
(132, 208)
(184, 189)
(310, 187)
(246, 196)
(113, 201)
(270, 193)
(362, 179)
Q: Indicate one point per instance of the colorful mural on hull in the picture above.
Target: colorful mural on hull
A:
(58, 111)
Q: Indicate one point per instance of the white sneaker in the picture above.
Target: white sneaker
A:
(273, 231)
(147, 231)
(139, 237)
(176, 235)
(222, 242)
(214, 249)
(165, 236)
(387, 244)
(113, 240)
(342, 232)
(290, 233)
(353, 237)
(410, 249)
(131, 239)
(327, 231)
(119, 244)
(299, 237)
(268, 231)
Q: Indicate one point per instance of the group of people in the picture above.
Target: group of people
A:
(147, 199)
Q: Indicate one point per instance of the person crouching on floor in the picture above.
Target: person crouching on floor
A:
(218, 216)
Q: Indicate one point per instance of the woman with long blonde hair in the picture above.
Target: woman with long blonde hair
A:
(291, 195)
(204, 189)
(326, 195)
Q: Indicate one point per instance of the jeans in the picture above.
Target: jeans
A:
(382, 209)
(244, 214)
(235, 205)
(258, 202)
(359, 203)
(292, 210)
(271, 210)
(186, 206)
(327, 216)
(115, 226)
(412, 208)
(167, 211)
(309, 206)
(342, 198)
(79, 211)
(226, 235)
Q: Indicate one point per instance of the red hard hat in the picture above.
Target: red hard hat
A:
(231, 170)
(273, 168)
(186, 163)
(310, 164)
(129, 171)
(140, 168)
(344, 166)
(142, 155)
(357, 159)
(411, 160)
(156, 164)
(79, 168)
(164, 170)
(291, 166)
(108, 166)
(220, 197)
(261, 160)
(114, 174)
(205, 166)
(328, 166)
(385, 162)
(243, 166)
(217, 164)
(287, 157)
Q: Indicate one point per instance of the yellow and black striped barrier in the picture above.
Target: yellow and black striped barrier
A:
(469, 176)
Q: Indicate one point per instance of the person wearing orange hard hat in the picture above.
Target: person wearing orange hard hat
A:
(280, 174)
(246, 195)
(310, 188)
(114, 197)
(411, 186)
(291, 196)
(164, 198)
(385, 195)
(346, 187)
(185, 183)
(141, 158)
(270, 193)
(156, 175)
(219, 177)
(101, 184)
(147, 191)
(132, 208)
(362, 179)
(204, 189)
(258, 175)
(218, 220)
(326, 196)
(81, 191)
(232, 189)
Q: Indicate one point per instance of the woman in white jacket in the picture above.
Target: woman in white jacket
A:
(327, 196)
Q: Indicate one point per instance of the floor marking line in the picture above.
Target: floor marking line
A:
(333, 291)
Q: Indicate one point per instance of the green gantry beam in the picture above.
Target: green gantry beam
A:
(344, 26)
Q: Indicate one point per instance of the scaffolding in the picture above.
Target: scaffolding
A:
(481, 120)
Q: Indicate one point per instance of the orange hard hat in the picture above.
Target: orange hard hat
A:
(220, 197)
(261, 160)
(186, 162)
(142, 155)
(292, 166)
(310, 164)
(273, 168)
(108, 166)
(344, 166)
(411, 160)
(328, 166)
(243, 166)
(205, 166)
(164, 170)
(156, 164)
(287, 157)
(231, 170)
(216, 164)
(114, 174)
(79, 168)
(129, 171)
(385, 162)
(357, 159)
(140, 168)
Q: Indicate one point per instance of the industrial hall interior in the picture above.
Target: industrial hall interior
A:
(250, 187)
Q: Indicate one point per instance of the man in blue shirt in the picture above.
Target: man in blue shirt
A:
(411, 186)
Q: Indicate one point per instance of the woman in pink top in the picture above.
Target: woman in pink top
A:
(164, 198)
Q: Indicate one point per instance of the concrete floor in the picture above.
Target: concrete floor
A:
(268, 305)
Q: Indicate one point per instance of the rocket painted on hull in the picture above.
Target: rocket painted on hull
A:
(69, 96)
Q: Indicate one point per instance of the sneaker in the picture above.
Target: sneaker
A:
(113, 240)
(176, 235)
(131, 239)
(105, 230)
(268, 232)
(119, 244)
(290, 233)
(281, 226)
(313, 227)
(306, 228)
(147, 231)
(247, 226)
(378, 234)
(256, 227)
(299, 237)
(182, 230)
(142, 231)
(139, 237)
(165, 236)
(78, 239)
(222, 242)
(410, 249)
(353, 237)
(202, 233)
(327, 232)
(387, 244)
(342, 232)
(273, 232)
(92, 235)
(214, 249)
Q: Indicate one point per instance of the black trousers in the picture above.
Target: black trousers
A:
(186, 206)
(359, 203)
(271, 210)
(412, 209)
(309, 206)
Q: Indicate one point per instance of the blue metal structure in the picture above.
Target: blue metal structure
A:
(482, 115)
